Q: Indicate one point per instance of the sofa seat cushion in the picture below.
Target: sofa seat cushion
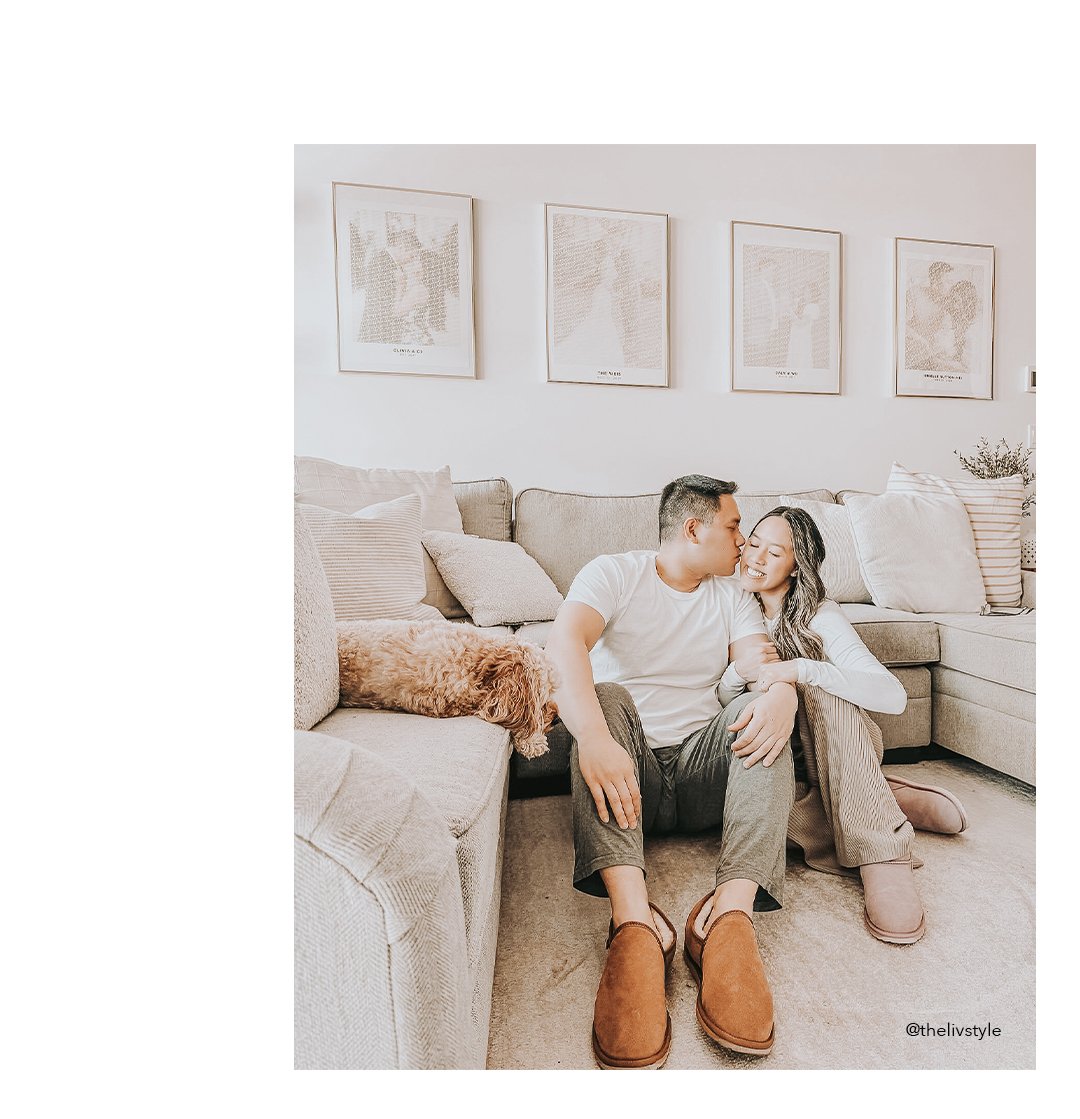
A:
(456, 763)
(536, 632)
(895, 637)
(461, 767)
(1001, 650)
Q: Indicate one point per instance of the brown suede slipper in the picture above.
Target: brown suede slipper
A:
(734, 1005)
(664, 929)
(631, 1025)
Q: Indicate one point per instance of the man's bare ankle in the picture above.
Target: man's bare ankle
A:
(635, 910)
(737, 893)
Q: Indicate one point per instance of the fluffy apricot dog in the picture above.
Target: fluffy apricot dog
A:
(443, 669)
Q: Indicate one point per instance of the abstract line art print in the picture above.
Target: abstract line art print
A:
(607, 296)
(785, 309)
(404, 268)
(944, 319)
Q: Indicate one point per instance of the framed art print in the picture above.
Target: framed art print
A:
(944, 319)
(404, 269)
(786, 285)
(607, 296)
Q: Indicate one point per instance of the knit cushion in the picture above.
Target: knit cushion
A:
(994, 507)
(373, 560)
(498, 582)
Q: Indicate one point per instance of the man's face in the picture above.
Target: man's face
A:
(721, 542)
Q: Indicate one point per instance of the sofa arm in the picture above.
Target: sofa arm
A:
(381, 970)
(1028, 580)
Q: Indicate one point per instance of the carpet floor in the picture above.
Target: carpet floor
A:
(842, 999)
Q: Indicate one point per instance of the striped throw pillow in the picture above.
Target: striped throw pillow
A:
(373, 559)
(994, 507)
(318, 481)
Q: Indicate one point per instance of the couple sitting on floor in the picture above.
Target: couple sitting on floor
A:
(681, 685)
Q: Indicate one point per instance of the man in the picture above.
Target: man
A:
(640, 643)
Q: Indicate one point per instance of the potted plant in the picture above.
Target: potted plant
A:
(1002, 461)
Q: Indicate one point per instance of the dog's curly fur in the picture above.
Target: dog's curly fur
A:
(445, 669)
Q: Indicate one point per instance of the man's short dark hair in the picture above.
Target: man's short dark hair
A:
(694, 496)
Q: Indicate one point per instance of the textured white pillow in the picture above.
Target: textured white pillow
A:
(497, 581)
(994, 507)
(317, 481)
(373, 560)
(840, 571)
(916, 552)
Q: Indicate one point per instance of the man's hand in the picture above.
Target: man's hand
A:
(768, 721)
(609, 771)
(751, 661)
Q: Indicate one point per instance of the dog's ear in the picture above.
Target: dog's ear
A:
(520, 697)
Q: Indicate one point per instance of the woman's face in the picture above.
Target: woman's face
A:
(767, 557)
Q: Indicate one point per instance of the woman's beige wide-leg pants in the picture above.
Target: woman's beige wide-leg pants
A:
(844, 814)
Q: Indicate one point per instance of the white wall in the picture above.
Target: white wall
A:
(614, 439)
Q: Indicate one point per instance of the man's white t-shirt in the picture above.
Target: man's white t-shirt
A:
(668, 648)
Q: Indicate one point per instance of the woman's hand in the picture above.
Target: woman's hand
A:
(750, 664)
(782, 672)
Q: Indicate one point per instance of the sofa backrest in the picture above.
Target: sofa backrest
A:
(564, 531)
(485, 507)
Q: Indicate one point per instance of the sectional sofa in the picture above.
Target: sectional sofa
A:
(399, 818)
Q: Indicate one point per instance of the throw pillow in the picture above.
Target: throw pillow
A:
(994, 507)
(497, 581)
(840, 571)
(346, 489)
(447, 670)
(916, 552)
(373, 559)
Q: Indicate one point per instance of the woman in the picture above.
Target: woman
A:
(848, 814)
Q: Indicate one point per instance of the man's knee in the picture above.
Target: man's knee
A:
(621, 715)
(613, 695)
(738, 703)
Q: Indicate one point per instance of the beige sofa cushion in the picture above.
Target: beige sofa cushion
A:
(346, 489)
(997, 649)
(486, 507)
(373, 560)
(315, 676)
(994, 507)
(754, 506)
(840, 571)
(497, 581)
(564, 531)
(895, 637)
(917, 552)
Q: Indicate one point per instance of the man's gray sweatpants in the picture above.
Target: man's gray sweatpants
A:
(694, 786)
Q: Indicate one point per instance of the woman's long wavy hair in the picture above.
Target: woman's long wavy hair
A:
(793, 636)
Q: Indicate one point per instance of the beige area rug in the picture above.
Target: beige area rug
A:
(843, 1000)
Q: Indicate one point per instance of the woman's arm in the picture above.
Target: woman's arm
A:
(851, 672)
(746, 657)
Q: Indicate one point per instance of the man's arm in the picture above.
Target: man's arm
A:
(607, 768)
